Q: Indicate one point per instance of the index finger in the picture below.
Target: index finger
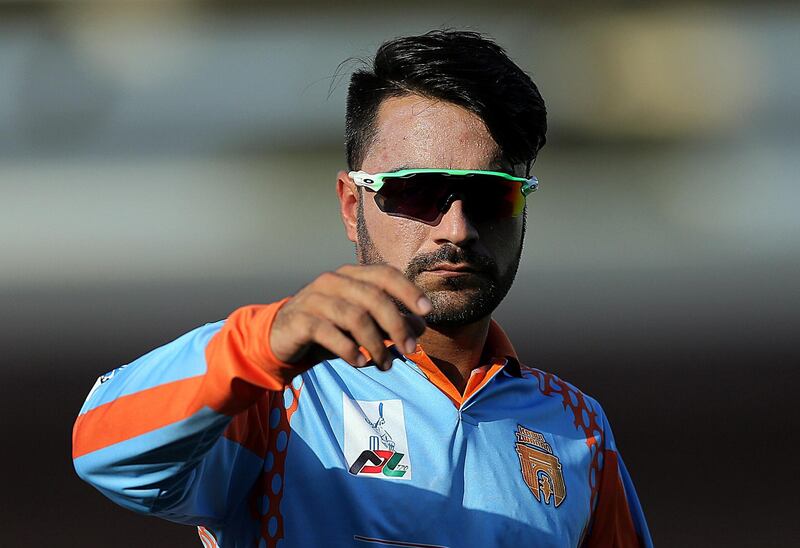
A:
(392, 281)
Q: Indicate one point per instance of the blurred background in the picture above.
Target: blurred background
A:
(162, 163)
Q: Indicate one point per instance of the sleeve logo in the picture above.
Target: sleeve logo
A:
(540, 468)
(375, 443)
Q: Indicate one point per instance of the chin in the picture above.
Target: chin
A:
(452, 318)
(451, 308)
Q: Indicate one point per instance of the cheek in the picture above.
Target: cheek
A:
(502, 239)
(398, 240)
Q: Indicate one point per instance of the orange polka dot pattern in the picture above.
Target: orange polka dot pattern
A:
(271, 483)
(584, 416)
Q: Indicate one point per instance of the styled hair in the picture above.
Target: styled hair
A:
(462, 67)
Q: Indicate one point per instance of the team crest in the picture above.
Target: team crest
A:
(375, 443)
(541, 469)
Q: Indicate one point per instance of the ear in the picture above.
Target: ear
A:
(348, 204)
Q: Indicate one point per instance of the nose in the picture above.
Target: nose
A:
(455, 227)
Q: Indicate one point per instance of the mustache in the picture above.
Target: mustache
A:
(451, 254)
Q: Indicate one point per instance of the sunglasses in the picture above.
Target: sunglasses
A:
(426, 194)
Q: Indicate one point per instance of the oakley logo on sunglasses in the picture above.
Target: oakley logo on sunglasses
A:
(426, 194)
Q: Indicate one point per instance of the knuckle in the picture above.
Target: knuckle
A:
(358, 316)
(371, 292)
(344, 269)
(341, 308)
(386, 313)
(386, 270)
(327, 278)
(300, 321)
(308, 323)
(375, 270)
(311, 299)
(316, 328)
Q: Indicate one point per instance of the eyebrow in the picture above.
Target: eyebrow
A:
(497, 164)
(399, 168)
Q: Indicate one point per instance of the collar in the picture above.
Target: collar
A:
(499, 346)
(503, 359)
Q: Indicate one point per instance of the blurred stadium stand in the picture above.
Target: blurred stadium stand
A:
(162, 163)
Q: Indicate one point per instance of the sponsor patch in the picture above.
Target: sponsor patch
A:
(375, 443)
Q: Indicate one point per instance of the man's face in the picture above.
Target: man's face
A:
(415, 132)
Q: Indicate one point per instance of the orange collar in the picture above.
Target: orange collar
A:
(497, 345)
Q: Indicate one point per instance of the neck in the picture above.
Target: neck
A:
(456, 351)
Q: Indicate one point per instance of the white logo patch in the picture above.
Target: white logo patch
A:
(102, 379)
(375, 443)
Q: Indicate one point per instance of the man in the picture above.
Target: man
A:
(381, 405)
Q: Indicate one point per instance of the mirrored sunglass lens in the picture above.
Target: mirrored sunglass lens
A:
(418, 196)
(423, 196)
(491, 197)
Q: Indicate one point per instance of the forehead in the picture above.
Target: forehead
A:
(414, 131)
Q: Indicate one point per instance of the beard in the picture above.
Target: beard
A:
(456, 301)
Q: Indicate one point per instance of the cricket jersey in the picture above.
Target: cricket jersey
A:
(212, 430)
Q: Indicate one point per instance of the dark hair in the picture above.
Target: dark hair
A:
(462, 67)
